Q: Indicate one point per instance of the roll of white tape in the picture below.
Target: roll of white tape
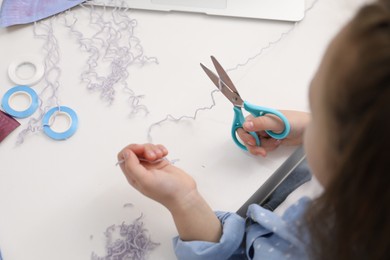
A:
(60, 135)
(39, 70)
(20, 90)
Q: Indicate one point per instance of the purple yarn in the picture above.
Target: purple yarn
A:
(131, 242)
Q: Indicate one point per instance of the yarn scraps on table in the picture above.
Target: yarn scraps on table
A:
(48, 97)
(170, 117)
(7, 125)
(112, 48)
(113, 43)
(124, 242)
(22, 12)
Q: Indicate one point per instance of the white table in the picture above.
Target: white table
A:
(58, 197)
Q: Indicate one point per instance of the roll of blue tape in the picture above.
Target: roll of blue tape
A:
(60, 135)
(15, 90)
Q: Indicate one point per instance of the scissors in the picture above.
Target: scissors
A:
(226, 86)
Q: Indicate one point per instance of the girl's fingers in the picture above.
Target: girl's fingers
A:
(163, 149)
(267, 143)
(149, 152)
(261, 123)
(245, 137)
(257, 150)
(138, 149)
(132, 167)
(154, 152)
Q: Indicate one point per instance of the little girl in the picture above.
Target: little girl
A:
(346, 138)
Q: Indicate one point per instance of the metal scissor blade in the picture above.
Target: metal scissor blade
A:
(228, 93)
(214, 78)
(223, 75)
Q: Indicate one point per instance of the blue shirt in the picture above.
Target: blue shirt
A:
(263, 235)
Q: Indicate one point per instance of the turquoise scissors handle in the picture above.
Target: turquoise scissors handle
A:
(257, 111)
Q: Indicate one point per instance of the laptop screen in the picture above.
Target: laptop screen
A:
(285, 10)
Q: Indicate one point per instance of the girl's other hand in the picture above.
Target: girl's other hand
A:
(173, 188)
(156, 178)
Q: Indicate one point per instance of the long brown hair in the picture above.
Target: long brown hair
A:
(351, 219)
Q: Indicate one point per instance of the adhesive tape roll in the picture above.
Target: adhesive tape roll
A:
(39, 70)
(60, 135)
(20, 90)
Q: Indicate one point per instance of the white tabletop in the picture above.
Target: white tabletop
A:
(58, 197)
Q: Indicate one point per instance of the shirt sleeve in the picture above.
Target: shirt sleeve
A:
(233, 230)
(269, 236)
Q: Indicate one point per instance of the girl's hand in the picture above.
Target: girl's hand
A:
(147, 171)
(298, 121)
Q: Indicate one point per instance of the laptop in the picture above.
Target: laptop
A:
(295, 162)
(283, 10)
